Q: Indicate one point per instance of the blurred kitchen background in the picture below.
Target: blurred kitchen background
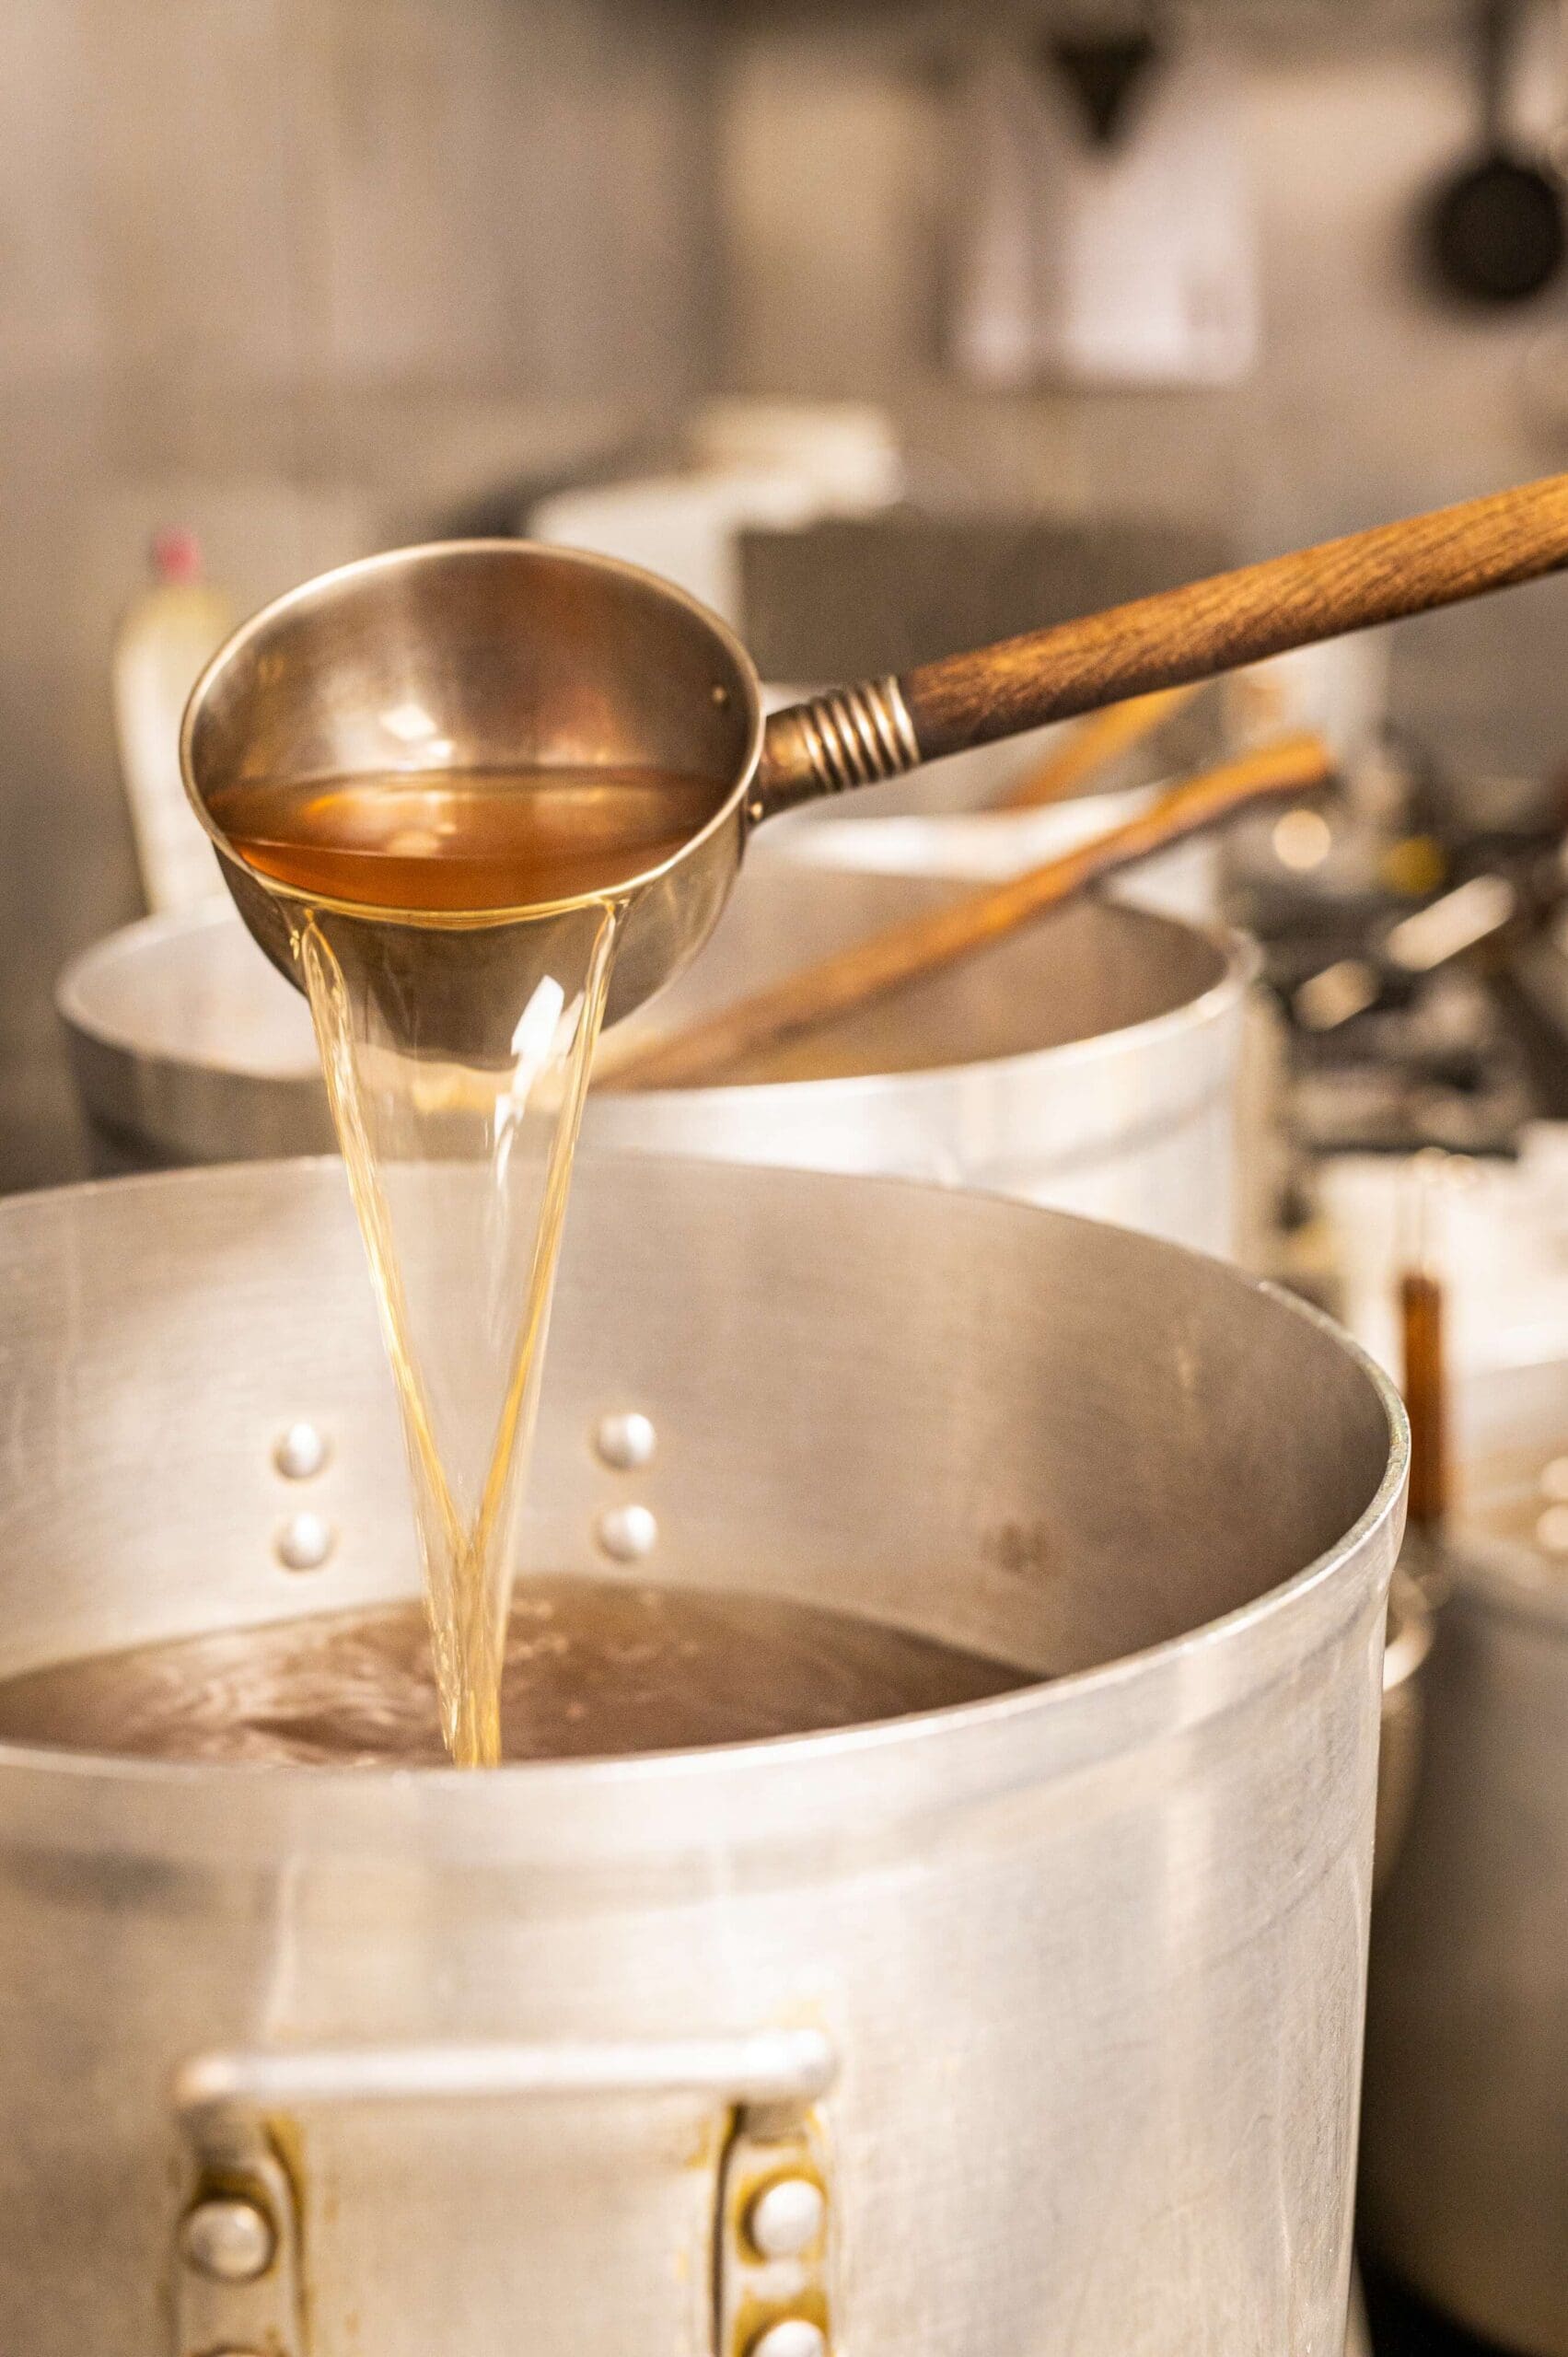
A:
(302, 278)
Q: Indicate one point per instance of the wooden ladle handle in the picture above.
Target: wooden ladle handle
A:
(856, 735)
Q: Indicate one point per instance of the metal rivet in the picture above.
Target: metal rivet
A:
(793, 2337)
(300, 1453)
(232, 2241)
(305, 1543)
(786, 2218)
(721, 697)
(627, 1532)
(626, 1441)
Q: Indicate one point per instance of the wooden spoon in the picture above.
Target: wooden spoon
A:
(1093, 745)
(904, 953)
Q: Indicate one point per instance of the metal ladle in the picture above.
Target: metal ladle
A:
(500, 654)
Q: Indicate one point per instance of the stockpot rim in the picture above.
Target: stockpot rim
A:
(1240, 964)
(408, 557)
(933, 1761)
(84, 1020)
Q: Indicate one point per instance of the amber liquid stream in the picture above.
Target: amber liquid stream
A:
(461, 1165)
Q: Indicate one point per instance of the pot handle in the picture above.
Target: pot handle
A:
(238, 2276)
(217, 2093)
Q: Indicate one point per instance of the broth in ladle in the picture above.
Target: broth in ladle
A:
(463, 840)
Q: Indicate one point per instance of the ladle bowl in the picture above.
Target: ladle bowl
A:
(483, 655)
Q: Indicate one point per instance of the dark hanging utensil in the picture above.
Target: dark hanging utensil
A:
(1495, 230)
(1103, 72)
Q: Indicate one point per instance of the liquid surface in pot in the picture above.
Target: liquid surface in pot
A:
(455, 840)
(592, 1668)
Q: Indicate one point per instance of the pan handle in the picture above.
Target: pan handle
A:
(858, 736)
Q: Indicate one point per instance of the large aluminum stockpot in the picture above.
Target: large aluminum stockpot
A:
(1465, 2152)
(1090, 1064)
(1056, 1998)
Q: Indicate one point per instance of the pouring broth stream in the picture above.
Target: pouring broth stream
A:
(461, 1165)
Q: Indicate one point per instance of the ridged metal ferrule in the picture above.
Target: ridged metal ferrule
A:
(859, 735)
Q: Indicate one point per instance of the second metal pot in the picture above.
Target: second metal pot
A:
(1465, 2142)
(1090, 1064)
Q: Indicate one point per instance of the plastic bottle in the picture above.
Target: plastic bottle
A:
(165, 637)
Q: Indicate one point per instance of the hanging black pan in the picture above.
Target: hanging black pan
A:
(1495, 230)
